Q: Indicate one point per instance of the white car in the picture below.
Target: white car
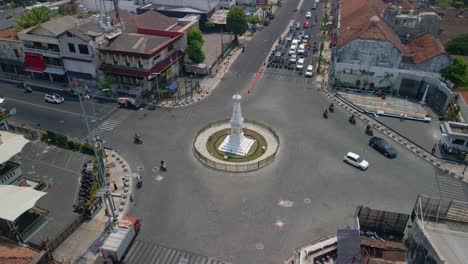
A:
(293, 58)
(355, 160)
(308, 14)
(301, 49)
(54, 98)
(300, 64)
(295, 42)
(292, 49)
(309, 71)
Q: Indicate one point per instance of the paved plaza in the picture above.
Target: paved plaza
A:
(389, 105)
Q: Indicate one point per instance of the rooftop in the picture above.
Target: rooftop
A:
(8, 17)
(361, 19)
(139, 43)
(10, 145)
(188, 10)
(423, 48)
(54, 27)
(87, 30)
(11, 253)
(21, 199)
(149, 19)
(8, 35)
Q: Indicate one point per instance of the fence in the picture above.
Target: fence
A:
(236, 167)
(55, 243)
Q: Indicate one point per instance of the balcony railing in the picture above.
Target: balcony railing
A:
(42, 49)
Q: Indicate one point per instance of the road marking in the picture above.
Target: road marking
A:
(51, 165)
(46, 107)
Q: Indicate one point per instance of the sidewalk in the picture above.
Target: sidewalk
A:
(83, 245)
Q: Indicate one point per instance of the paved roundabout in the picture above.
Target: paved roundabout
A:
(306, 193)
(263, 154)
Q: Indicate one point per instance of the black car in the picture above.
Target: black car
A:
(382, 146)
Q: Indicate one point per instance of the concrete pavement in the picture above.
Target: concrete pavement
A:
(260, 217)
(83, 245)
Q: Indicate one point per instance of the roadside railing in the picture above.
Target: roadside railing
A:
(55, 243)
(236, 167)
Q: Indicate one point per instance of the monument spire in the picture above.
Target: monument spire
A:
(236, 143)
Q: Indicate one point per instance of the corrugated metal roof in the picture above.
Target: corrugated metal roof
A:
(349, 246)
(147, 252)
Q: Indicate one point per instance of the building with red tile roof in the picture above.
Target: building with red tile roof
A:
(423, 48)
(382, 46)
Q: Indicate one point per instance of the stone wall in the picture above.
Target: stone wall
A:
(435, 64)
(370, 53)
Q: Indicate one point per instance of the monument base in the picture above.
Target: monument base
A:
(240, 147)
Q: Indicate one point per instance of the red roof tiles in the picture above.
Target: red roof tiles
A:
(423, 48)
(356, 23)
(9, 35)
(10, 253)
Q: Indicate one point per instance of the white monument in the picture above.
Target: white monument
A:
(236, 143)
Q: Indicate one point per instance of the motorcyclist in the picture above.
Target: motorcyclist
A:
(331, 107)
(137, 138)
(163, 165)
(351, 119)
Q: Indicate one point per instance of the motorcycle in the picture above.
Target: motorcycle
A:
(139, 182)
(331, 108)
(27, 89)
(162, 167)
(137, 140)
(325, 114)
(369, 131)
(352, 120)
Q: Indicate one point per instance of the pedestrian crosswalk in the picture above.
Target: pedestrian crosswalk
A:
(147, 252)
(451, 188)
(285, 77)
(109, 124)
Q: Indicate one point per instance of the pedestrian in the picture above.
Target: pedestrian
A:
(434, 149)
(115, 186)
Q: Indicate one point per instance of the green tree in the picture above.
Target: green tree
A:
(195, 43)
(458, 45)
(253, 20)
(195, 52)
(236, 22)
(195, 35)
(33, 17)
(458, 5)
(456, 72)
(107, 82)
(209, 26)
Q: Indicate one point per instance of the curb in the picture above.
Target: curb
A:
(408, 144)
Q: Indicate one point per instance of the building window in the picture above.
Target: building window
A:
(83, 49)
(16, 53)
(53, 47)
(71, 47)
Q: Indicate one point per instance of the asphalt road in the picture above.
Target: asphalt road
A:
(262, 216)
(65, 118)
(242, 218)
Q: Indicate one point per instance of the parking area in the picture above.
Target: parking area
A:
(297, 53)
(59, 168)
(387, 104)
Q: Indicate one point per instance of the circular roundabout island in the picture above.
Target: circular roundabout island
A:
(236, 145)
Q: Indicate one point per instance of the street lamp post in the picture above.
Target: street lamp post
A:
(97, 155)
